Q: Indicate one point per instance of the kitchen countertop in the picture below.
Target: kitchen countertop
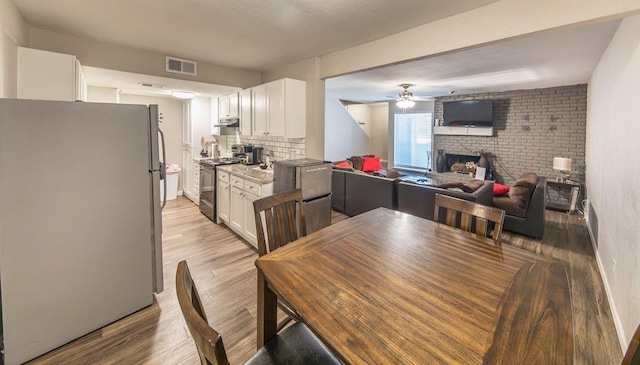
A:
(251, 173)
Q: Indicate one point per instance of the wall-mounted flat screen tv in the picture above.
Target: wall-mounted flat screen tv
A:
(470, 113)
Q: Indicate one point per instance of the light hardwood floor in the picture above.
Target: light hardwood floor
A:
(222, 265)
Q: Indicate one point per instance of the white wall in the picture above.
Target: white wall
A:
(343, 137)
(380, 130)
(97, 94)
(613, 129)
(361, 114)
(13, 33)
(171, 123)
(373, 119)
(114, 57)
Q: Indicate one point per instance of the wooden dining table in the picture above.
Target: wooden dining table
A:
(386, 287)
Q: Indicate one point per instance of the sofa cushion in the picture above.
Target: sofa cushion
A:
(471, 186)
(342, 164)
(468, 187)
(509, 206)
(357, 162)
(371, 164)
(390, 173)
(499, 189)
(520, 193)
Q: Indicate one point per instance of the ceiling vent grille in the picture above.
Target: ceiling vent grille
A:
(181, 66)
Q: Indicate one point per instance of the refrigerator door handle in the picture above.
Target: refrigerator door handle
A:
(163, 169)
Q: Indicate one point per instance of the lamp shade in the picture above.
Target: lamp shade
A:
(562, 164)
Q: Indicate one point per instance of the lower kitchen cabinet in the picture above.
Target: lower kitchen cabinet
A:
(235, 204)
(224, 197)
(196, 181)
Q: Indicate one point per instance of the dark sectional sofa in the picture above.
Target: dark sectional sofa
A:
(355, 192)
(419, 200)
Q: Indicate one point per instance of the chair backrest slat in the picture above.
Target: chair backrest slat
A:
(208, 341)
(465, 221)
(461, 214)
(284, 221)
(481, 226)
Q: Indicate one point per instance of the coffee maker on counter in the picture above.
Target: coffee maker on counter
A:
(248, 153)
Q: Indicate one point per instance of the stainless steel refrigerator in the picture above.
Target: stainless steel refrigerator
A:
(80, 220)
(314, 178)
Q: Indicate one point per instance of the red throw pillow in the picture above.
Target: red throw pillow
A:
(342, 164)
(371, 164)
(499, 189)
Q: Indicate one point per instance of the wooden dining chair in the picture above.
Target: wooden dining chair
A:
(284, 220)
(632, 356)
(470, 216)
(284, 223)
(294, 345)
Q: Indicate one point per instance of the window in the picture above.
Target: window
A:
(412, 147)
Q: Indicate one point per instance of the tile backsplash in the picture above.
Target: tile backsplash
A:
(277, 148)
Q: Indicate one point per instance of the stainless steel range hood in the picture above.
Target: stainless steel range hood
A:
(227, 131)
(228, 126)
(228, 122)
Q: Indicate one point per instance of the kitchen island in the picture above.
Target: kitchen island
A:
(238, 187)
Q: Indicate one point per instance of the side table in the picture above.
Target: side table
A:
(563, 203)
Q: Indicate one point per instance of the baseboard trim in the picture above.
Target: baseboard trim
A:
(616, 318)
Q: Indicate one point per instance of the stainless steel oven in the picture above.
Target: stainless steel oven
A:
(208, 191)
(208, 178)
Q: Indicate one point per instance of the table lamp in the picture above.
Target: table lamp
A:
(563, 165)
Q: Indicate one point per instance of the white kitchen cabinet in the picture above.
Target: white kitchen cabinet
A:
(235, 203)
(228, 105)
(252, 192)
(196, 124)
(44, 75)
(195, 172)
(214, 117)
(223, 202)
(245, 99)
(236, 212)
(279, 109)
(260, 125)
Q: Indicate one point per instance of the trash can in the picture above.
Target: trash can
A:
(173, 171)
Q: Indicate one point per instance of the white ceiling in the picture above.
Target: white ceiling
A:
(558, 58)
(262, 34)
(250, 34)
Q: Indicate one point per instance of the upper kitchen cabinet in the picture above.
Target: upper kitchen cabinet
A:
(214, 117)
(44, 75)
(279, 109)
(246, 117)
(228, 105)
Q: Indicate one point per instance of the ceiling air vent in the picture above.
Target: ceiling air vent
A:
(181, 66)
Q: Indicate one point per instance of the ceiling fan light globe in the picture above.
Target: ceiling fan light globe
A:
(405, 103)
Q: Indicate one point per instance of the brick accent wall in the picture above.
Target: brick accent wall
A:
(530, 128)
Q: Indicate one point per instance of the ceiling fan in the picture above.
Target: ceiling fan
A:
(406, 98)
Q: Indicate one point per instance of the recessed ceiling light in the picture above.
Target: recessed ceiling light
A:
(183, 94)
